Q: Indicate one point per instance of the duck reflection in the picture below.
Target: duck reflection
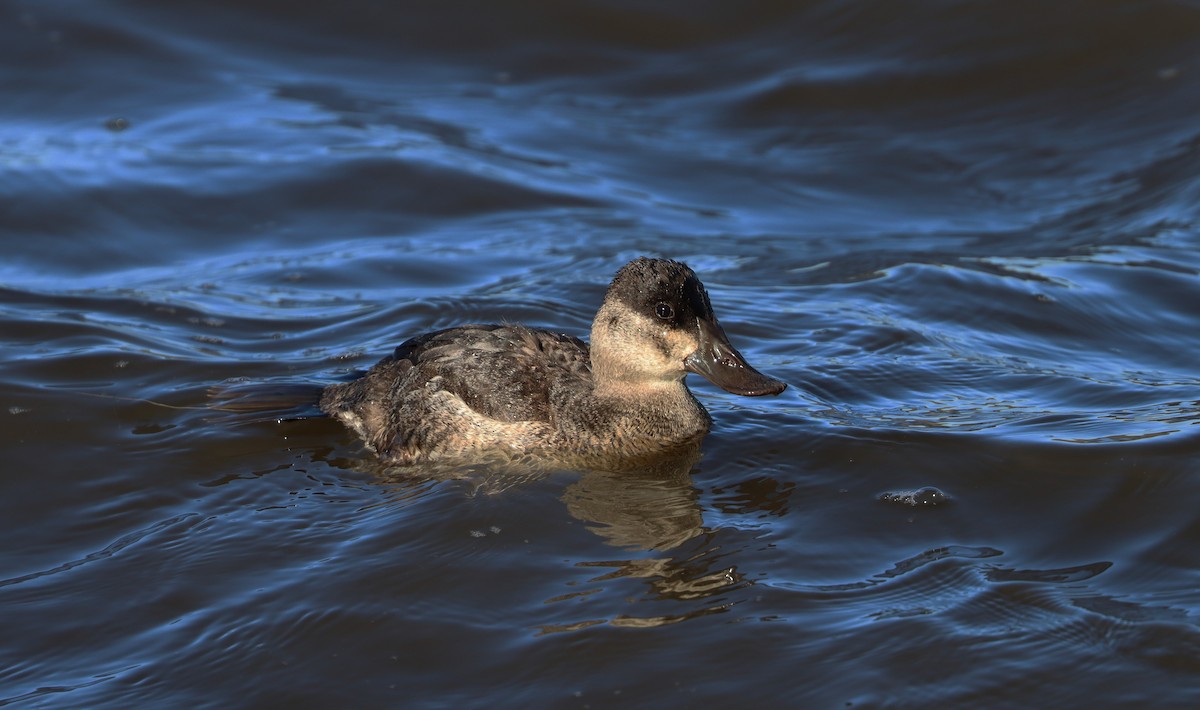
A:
(649, 508)
(644, 504)
(652, 506)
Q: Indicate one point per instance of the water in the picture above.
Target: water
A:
(965, 233)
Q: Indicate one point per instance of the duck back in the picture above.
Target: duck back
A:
(453, 391)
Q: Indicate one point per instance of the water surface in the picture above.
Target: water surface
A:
(965, 233)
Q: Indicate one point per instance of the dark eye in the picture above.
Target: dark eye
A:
(664, 311)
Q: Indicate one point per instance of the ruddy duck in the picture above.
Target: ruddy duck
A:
(475, 390)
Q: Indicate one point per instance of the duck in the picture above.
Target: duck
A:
(480, 390)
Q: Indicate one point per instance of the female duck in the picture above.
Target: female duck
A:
(465, 392)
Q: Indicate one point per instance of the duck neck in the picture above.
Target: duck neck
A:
(638, 419)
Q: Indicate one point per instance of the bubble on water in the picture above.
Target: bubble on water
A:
(927, 496)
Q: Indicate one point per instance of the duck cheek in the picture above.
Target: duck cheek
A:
(677, 346)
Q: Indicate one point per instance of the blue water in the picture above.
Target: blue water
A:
(966, 234)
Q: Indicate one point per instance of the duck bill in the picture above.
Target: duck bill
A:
(720, 363)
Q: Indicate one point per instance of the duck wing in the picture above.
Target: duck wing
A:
(503, 372)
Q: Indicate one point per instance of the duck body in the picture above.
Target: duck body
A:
(477, 390)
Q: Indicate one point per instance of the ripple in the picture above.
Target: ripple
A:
(107, 551)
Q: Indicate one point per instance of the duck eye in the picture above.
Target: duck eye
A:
(664, 311)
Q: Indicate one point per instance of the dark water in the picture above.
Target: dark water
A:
(967, 233)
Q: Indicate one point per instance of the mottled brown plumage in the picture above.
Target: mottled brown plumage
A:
(476, 390)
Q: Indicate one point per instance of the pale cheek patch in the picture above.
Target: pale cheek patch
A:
(644, 345)
(679, 344)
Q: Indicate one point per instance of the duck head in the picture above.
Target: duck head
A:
(657, 324)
